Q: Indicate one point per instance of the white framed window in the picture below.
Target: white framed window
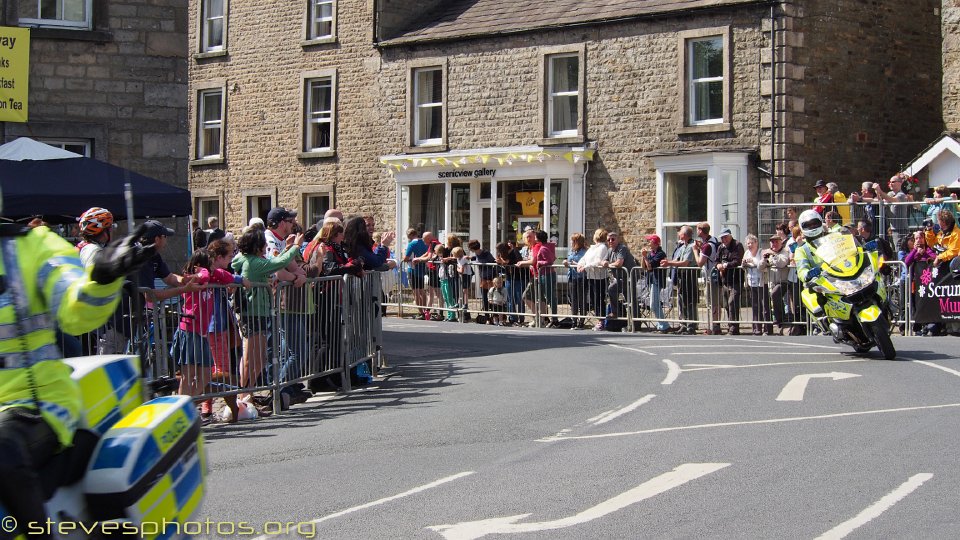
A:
(84, 147)
(705, 80)
(315, 205)
(321, 19)
(428, 106)
(56, 13)
(563, 99)
(212, 26)
(258, 203)
(210, 113)
(207, 207)
(318, 114)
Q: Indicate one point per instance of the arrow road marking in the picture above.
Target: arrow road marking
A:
(876, 508)
(470, 530)
(794, 389)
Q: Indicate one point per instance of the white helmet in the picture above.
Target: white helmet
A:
(811, 224)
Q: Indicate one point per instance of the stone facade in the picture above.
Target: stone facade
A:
(120, 85)
(950, 17)
(860, 86)
(827, 124)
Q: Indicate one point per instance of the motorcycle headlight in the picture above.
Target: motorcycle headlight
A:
(857, 284)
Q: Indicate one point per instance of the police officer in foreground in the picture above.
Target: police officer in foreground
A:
(43, 285)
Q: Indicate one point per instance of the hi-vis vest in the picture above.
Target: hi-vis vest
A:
(45, 286)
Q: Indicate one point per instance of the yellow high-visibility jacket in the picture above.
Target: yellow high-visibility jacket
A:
(45, 287)
(950, 242)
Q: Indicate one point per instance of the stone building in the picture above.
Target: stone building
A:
(481, 117)
(108, 79)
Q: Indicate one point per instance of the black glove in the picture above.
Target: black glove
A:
(121, 257)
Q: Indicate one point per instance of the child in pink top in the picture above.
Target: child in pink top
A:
(190, 348)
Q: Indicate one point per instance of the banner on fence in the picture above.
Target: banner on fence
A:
(938, 295)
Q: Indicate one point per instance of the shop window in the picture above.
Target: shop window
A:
(460, 210)
(685, 199)
(425, 207)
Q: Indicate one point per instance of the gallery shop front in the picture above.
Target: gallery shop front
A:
(492, 194)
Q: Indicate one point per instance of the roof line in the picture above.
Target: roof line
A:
(401, 41)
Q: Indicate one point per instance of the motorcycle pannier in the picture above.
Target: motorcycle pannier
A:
(148, 468)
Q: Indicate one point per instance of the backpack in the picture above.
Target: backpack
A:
(710, 269)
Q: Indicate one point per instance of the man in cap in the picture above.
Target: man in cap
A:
(730, 263)
(824, 197)
(156, 233)
(776, 264)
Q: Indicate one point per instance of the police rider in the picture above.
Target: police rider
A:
(43, 285)
(808, 263)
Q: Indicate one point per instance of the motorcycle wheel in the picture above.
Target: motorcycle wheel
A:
(880, 329)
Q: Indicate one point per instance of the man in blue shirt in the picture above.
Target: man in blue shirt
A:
(416, 247)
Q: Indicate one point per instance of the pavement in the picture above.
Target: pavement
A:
(476, 431)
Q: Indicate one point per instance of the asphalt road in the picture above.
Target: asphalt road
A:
(475, 432)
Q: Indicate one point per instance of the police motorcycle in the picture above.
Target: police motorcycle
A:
(853, 297)
(137, 465)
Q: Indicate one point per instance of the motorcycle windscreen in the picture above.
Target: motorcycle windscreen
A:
(840, 252)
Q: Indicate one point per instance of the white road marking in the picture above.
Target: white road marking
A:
(673, 371)
(378, 502)
(739, 347)
(599, 416)
(717, 352)
(938, 366)
(876, 508)
(704, 367)
(631, 349)
(752, 422)
(794, 390)
(608, 416)
(791, 343)
(470, 530)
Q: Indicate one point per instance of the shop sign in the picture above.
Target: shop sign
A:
(14, 73)
(466, 173)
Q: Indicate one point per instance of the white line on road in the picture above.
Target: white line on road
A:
(876, 508)
(791, 343)
(704, 367)
(717, 352)
(606, 417)
(378, 502)
(938, 366)
(631, 349)
(673, 371)
(471, 530)
(797, 387)
(751, 422)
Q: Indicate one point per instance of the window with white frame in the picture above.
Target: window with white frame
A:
(212, 25)
(84, 147)
(315, 205)
(428, 106)
(320, 19)
(210, 123)
(207, 207)
(318, 114)
(563, 83)
(55, 13)
(705, 84)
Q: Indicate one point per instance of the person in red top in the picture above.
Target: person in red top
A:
(542, 289)
(824, 197)
(190, 347)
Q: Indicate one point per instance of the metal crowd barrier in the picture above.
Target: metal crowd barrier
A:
(231, 341)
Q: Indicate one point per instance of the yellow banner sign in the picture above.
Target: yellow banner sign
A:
(14, 73)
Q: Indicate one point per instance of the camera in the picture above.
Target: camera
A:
(928, 223)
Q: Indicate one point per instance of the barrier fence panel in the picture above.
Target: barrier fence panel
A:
(896, 278)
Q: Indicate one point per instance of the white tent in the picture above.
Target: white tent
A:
(26, 148)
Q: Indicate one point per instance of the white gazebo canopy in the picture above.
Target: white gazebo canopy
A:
(26, 148)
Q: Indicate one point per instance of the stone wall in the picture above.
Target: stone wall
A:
(951, 64)
(868, 74)
(125, 89)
